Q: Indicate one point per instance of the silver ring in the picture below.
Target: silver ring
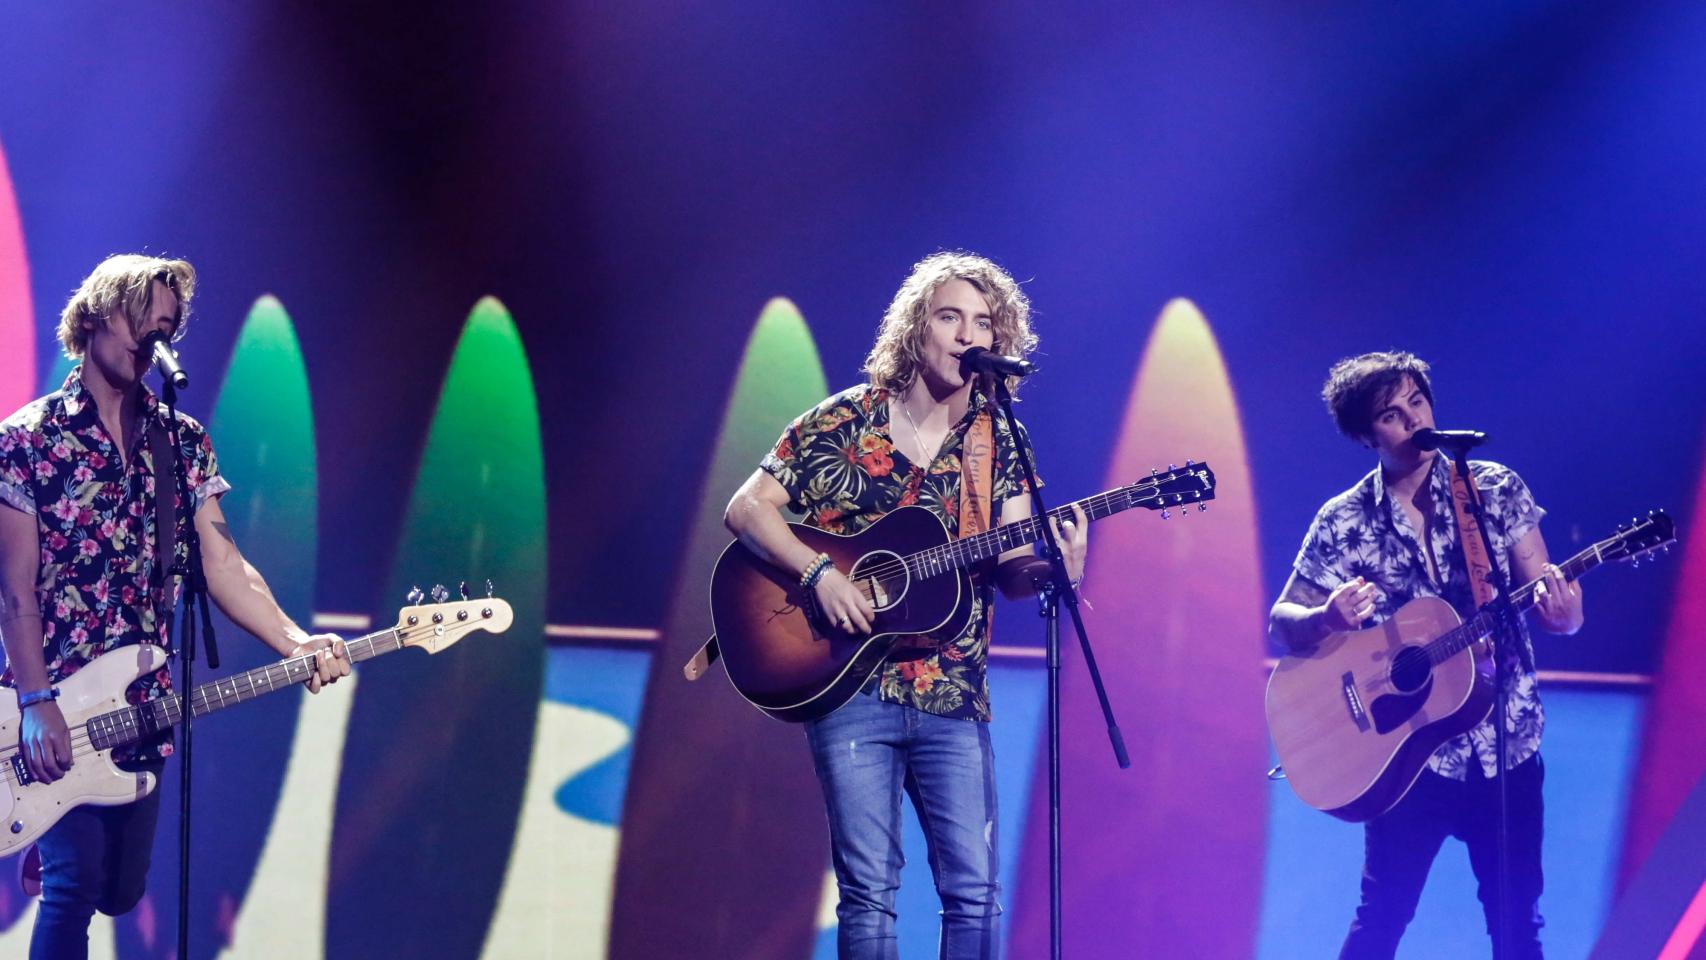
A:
(845, 622)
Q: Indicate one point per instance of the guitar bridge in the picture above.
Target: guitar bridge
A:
(1353, 701)
(21, 771)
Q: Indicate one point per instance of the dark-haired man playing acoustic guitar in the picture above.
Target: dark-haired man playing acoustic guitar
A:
(1389, 539)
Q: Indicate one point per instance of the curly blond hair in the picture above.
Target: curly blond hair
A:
(897, 355)
(124, 283)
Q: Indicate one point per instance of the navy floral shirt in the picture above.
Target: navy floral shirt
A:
(841, 469)
(1359, 533)
(94, 515)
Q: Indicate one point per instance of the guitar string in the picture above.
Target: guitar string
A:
(1443, 647)
(82, 738)
(953, 554)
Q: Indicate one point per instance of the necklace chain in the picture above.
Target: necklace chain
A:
(916, 435)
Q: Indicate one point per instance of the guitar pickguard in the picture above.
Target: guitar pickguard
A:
(1393, 710)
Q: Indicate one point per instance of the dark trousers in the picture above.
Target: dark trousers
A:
(94, 858)
(1400, 846)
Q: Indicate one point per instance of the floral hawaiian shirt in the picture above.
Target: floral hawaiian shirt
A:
(94, 515)
(1359, 534)
(841, 469)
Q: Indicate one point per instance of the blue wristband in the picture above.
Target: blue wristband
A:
(37, 696)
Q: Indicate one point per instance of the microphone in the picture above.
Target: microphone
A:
(979, 360)
(1428, 438)
(160, 354)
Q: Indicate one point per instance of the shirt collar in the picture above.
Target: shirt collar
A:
(1439, 481)
(77, 399)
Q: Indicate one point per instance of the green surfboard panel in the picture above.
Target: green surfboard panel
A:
(436, 757)
(759, 832)
(263, 434)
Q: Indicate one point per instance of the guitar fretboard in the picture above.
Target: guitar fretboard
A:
(966, 551)
(1482, 624)
(133, 723)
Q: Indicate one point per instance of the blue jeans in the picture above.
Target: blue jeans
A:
(94, 858)
(866, 753)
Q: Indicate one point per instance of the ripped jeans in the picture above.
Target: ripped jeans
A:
(866, 753)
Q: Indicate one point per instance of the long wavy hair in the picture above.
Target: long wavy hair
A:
(897, 355)
(124, 283)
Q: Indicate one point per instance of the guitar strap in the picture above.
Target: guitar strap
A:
(165, 518)
(977, 475)
(1475, 555)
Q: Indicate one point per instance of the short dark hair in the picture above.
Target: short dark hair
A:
(1357, 385)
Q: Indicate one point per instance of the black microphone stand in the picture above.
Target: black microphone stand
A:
(195, 599)
(1505, 636)
(1051, 593)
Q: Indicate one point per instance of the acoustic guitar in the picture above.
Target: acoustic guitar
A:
(1355, 719)
(788, 661)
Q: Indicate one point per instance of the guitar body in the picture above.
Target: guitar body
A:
(28, 810)
(1355, 720)
(789, 662)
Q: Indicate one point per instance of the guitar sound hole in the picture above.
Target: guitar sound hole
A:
(886, 574)
(1410, 669)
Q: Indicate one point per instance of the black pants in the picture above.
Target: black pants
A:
(1400, 846)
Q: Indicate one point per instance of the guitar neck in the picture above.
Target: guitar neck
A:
(1482, 623)
(132, 724)
(967, 551)
(1573, 568)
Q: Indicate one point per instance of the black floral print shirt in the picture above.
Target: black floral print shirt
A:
(94, 515)
(1359, 533)
(840, 467)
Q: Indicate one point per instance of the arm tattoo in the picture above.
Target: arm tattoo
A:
(1303, 592)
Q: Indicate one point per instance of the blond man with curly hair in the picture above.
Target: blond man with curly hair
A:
(920, 725)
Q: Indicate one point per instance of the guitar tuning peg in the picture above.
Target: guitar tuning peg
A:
(1189, 463)
(1171, 467)
(439, 593)
(1166, 513)
(462, 588)
(414, 595)
(1154, 472)
(1202, 508)
(488, 589)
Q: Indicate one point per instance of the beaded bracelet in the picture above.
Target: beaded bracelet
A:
(37, 696)
(814, 571)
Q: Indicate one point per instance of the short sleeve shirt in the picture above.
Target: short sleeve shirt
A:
(840, 467)
(1362, 533)
(95, 522)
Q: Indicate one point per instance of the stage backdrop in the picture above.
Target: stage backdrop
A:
(477, 300)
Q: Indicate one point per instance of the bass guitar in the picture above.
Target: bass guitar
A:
(786, 659)
(93, 702)
(1355, 719)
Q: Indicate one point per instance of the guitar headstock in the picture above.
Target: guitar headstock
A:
(1175, 487)
(1638, 539)
(435, 626)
